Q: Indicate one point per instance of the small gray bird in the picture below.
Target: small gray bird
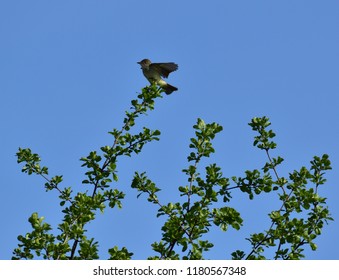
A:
(154, 71)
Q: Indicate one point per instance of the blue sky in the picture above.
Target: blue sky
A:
(68, 72)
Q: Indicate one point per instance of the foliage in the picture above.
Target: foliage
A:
(296, 222)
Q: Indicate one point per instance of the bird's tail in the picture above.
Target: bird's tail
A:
(168, 88)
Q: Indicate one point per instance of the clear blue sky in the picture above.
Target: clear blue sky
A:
(68, 72)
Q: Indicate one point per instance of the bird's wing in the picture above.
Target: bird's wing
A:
(165, 68)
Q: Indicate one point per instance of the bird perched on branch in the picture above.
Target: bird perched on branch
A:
(155, 71)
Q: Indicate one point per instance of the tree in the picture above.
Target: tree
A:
(296, 222)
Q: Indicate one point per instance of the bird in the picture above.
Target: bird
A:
(155, 71)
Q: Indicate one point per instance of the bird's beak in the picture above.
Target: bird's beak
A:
(139, 62)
